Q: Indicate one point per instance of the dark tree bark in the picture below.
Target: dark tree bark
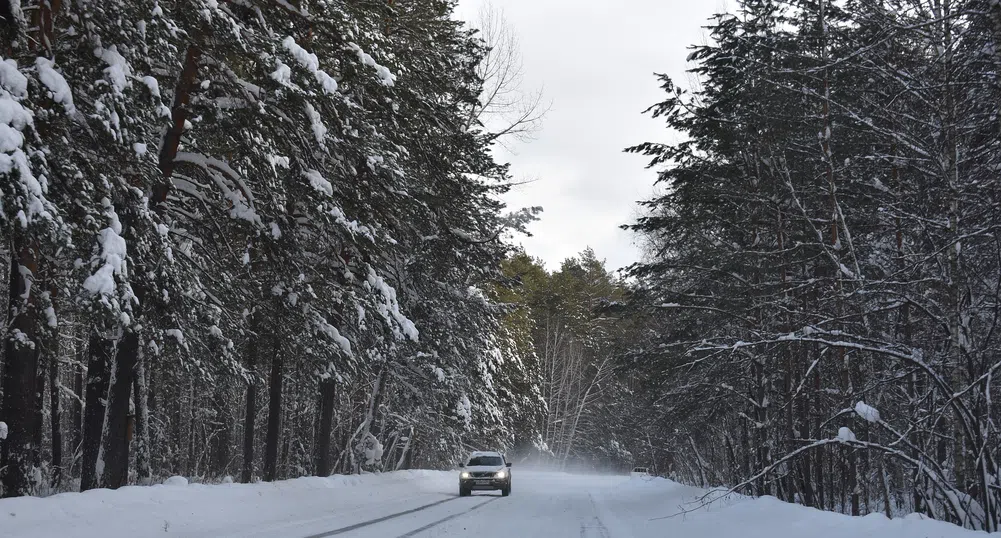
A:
(42, 29)
(38, 409)
(379, 392)
(179, 115)
(222, 438)
(55, 417)
(248, 432)
(819, 463)
(98, 374)
(116, 442)
(77, 410)
(408, 462)
(274, 415)
(17, 452)
(250, 409)
(173, 397)
(139, 393)
(806, 470)
(745, 440)
(189, 461)
(327, 393)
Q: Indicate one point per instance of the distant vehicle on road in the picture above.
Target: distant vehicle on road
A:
(639, 472)
(485, 471)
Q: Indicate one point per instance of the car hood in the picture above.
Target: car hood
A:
(483, 468)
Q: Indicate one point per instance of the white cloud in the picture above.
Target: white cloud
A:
(596, 61)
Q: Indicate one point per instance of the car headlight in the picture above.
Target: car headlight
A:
(502, 474)
(464, 475)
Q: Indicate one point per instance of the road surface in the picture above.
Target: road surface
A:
(553, 505)
(422, 504)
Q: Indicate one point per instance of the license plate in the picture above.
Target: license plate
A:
(482, 482)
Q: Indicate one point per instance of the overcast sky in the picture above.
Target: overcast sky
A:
(595, 60)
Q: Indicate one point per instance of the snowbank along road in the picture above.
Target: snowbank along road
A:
(426, 504)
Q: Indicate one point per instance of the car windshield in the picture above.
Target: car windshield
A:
(486, 461)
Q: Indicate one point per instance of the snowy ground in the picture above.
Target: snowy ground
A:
(425, 504)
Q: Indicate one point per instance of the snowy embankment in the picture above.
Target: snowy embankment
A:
(424, 503)
(657, 507)
(180, 509)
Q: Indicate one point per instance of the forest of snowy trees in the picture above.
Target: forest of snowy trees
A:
(821, 294)
(262, 239)
(248, 238)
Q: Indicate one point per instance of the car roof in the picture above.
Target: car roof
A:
(485, 453)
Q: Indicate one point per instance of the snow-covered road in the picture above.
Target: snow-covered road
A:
(557, 503)
(552, 504)
(425, 504)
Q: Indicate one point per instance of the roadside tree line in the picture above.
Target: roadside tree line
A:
(820, 290)
(247, 238)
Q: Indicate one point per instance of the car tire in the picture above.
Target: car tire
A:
(506, 491)
(463, 492)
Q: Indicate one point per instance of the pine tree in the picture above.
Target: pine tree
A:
(793, 270)
(231, 211)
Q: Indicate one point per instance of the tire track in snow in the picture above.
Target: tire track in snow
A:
(350, 528)
(415, 532)
(594, 528)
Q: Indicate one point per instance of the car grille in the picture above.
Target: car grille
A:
(482, 474)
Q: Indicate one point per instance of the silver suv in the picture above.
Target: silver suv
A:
(485, 471)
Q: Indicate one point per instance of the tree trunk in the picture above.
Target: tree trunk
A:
(250, 410)
(375, 401)
(807, 468)
(760, 442)
(174, 408)
(19, 378)
(745, 441)
(405, 454)
(408, 462)
(377, 397)
(274, 415)
(77, 410)
(221, 440)
(819, 463)
(38, 409)
(326, 423)
(178, 115)
(98, 374)
(139, 392)
(55, 417)
(887, 494)
(190, 463)
(116, 442)
(248, 433)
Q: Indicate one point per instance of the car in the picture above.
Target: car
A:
(485, 471)
(639, 472)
